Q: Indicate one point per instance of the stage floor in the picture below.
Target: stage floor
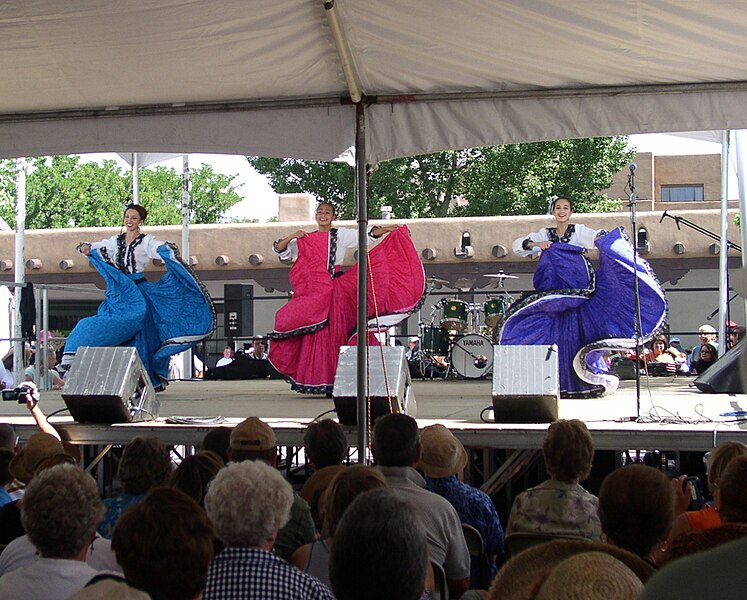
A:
(674, 415)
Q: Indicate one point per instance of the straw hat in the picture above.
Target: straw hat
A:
(442, 454)
(253, 434)
(589, 576)
(40, 447)
(522, 577)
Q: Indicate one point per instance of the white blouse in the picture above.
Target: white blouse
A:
(582, 236)
(346, 239)
(136, 255)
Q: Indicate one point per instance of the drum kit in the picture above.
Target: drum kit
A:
(458, 338)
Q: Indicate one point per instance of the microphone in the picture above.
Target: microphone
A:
(662, 216)
(633, 167)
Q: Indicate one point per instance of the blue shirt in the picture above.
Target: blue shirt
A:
(475, 508)
(239, 573)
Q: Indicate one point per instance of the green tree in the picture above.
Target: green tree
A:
(61, 191)
(495, 180)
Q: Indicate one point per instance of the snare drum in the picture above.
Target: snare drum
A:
(454, 316)
(472, 356)
(495, 310)
(435, 340)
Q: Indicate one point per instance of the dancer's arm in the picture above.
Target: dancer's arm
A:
(530, 244)
(377, 231)
(287, 247)
(586, 236)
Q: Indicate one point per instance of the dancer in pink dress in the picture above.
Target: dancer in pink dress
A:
(322, 315)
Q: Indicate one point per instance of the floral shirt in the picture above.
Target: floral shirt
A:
(557, 508)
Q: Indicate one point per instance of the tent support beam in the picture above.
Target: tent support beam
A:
(343, 51)
(322, 101)
(362, 346)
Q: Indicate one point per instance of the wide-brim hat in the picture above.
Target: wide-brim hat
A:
(40, 447)
(442, 455)
(522, 577)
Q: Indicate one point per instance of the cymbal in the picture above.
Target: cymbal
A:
(437, 280)
(500, 275)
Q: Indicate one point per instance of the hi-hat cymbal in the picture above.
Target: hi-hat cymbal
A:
(437, 280)
(500, 275)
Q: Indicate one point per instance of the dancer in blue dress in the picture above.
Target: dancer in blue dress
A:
(585, 312)
(159, 319)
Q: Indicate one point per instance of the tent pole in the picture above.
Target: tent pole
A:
(135, 178)
(723, 287)
(20, 274)
(362, 348)
(187, 358)
(739, 138)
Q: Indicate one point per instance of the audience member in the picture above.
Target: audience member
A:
(396, 450)
(5, 477)
(714, 573)
(708, 356)
(735, 334)
(218, 440)
(560, 506)
(443, 459)
(194, 473)
(344, 488)
(732, 508)
(257, 351)
(60, 511)
(380, 549)
(706, 333)
(227, 357)
(707, 517)
(165, 545)
(571, 569)
(50, 377)
(253, 440)
(248, 503)
(40, 450)
(326, 447)
(145, 464)
(636, 509)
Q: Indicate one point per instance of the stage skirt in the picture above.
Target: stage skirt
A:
(159, 319)
(322, 314)
(585, 312)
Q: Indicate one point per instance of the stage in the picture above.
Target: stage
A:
(674, 415)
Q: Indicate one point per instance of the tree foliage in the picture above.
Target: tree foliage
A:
(495, 180)
(62, 191)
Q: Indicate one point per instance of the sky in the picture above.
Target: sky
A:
(261, 202)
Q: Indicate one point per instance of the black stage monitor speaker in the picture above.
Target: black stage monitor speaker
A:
(109, 385)
(525, 384)
(238, 310)
(722, 377)
(345, 391)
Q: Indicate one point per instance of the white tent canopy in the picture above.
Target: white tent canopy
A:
(265, 78)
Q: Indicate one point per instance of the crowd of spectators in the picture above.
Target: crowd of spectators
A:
(212, 527)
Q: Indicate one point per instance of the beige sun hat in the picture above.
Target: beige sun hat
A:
(590, 576)
(442, 454)
(40, 447)
(524, 575)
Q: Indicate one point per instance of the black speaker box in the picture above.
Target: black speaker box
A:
(400, 397)
(109, 385)
(722, 377)
(238, 310)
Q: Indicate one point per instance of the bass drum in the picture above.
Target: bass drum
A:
(472, 356)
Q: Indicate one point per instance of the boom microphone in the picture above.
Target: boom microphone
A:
(633, 167)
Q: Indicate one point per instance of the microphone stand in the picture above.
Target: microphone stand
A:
(633, 202)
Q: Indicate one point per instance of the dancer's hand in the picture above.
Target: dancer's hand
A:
(299, 234)
(541, 245)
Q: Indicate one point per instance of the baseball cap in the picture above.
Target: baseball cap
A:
(253, 434)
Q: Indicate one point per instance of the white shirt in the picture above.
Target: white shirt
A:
(21, 553)
(141, 252)
(582, 236)
(346, 239)
(46, 579)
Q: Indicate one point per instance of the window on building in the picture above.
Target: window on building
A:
(681, 193)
